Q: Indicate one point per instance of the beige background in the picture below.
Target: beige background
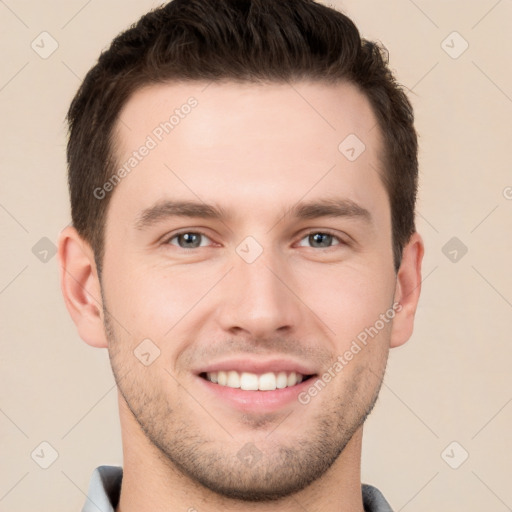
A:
(450, 382)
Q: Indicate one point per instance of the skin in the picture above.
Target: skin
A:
(255, 151)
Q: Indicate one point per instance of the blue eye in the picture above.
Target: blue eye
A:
(194, 239)
(190, 239)
(324, 239)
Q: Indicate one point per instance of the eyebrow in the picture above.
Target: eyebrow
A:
(330, 207)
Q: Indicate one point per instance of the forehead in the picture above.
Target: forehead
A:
(322, 109)
(247, 144)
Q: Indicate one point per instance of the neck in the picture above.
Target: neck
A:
(153, 483)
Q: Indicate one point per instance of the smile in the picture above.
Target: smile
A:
(247, 381)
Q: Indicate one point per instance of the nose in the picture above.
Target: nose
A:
(258, 298)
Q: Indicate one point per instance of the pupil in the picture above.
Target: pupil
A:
(319, 237)
(189, 237)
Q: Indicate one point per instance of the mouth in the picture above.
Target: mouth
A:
(256, 386)
(247, 381)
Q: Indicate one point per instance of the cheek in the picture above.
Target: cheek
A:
(348, 299)
(150, 301)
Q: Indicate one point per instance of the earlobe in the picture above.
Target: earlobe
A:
(407, 291)
(81, 287)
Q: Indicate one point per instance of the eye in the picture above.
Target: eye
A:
(195, 239)
(188, 239)
(322, 240)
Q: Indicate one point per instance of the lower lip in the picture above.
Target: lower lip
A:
(256, 401)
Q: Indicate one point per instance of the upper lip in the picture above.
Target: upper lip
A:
(258, 366)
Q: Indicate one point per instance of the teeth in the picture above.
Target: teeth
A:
(292, 379)
(267, 382)
(233, 380)
(282, 380)
(249, 381)
(222, 378)
(252, 382)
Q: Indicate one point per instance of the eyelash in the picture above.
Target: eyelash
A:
(314, 232)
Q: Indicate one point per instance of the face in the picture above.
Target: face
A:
(244, 246)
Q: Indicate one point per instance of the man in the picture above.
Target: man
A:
(243, 177)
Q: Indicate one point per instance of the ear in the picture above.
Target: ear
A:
(80, 286)
(407, 291)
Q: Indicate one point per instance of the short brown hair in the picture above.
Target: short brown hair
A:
(242, 41)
